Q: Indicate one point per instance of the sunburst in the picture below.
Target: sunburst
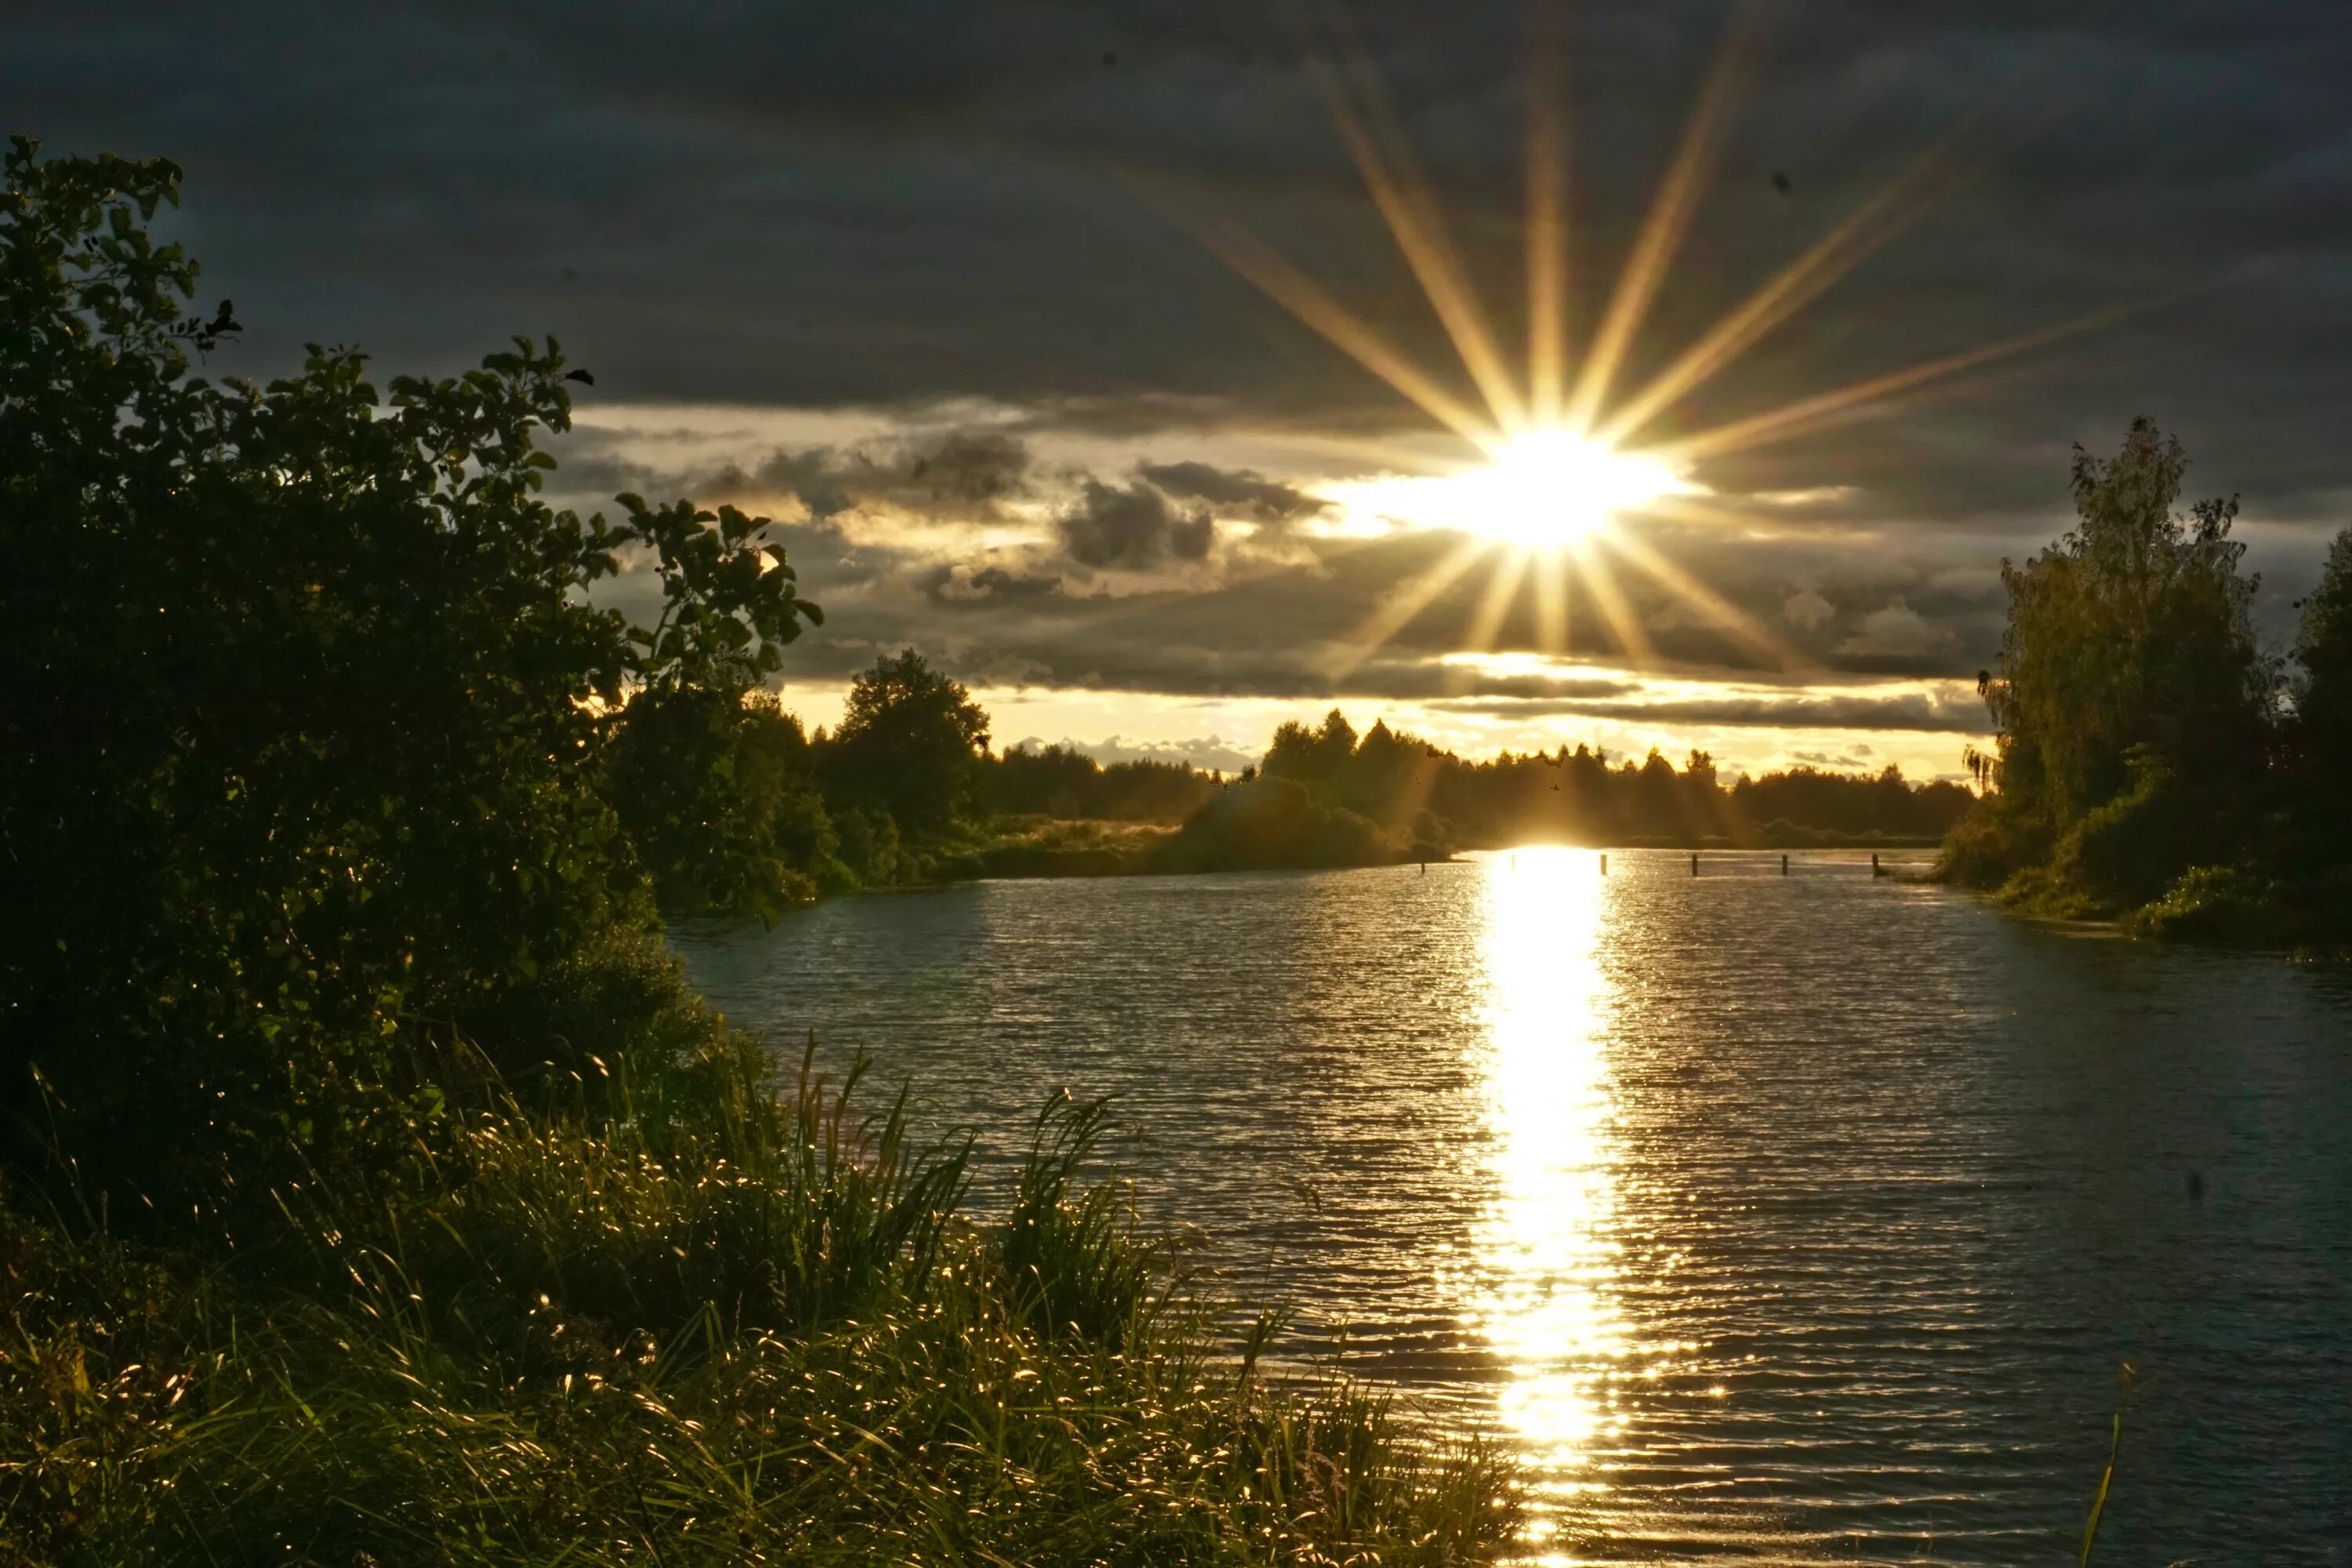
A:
(1562, 465)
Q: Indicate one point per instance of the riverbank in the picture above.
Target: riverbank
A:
(670, 1316)
(1059, 847)
(2208, 906)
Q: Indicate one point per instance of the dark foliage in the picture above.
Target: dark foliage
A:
(909, 743)
(2145, 763)
(1061, 782)
(718, 791)
(1417, 800)
(296, 752)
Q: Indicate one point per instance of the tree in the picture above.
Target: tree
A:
(2135, 711)
(304, 699)
(716, 791)
(1312, 757)
(909, 743)
(2323, 658)
(2132, 631)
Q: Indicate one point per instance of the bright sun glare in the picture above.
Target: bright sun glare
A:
(1550, 488)
(1540, 490)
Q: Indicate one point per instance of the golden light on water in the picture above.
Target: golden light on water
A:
(1542, 1287)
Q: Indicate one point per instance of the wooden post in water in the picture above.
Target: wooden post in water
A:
(1604, 865)
(1784, 865)
(1874, 862)
(1694, 862)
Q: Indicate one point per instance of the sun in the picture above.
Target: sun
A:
(1541, 490)
(1550, 488)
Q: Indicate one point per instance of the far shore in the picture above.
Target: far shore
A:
(1136, 849)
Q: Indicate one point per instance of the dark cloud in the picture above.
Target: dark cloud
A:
(966, 585)
(1134, 525)
(964, 472)
(977, 468)
(899, 206)
(1236, 492)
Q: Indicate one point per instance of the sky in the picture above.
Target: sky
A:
(1166, 371)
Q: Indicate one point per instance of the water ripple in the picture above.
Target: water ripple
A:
(1793, 1220)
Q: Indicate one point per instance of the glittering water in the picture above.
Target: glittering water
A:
(1793, 1219)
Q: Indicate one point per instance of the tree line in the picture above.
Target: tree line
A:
(1407, 785)
(737, 810)
(2153, 759)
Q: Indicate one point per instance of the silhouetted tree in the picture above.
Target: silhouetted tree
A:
(909, 744)
(2132, 630)
(297, 741)
(717, 790)
(1059, 781)
(1419, 798)
(2131, 700)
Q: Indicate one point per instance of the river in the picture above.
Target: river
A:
(1802, 1218)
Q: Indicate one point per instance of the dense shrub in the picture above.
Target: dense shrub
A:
(296, 754)
(2128, 849)
(2210, 903)
(1273, 822)
(717, 792)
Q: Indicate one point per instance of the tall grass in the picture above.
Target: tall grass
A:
(735, 1326)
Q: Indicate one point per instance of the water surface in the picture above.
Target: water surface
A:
(1803, 1218)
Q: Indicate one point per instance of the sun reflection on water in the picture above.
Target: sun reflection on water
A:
(1544, 1260)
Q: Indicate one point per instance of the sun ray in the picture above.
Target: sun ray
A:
(1743, 627)
(1410, 209)
(1281, 283)
(1546, 224)
(1859, 399)
(1551, 605)
(1669, 217)
(1890, 209)
(1502, 588)
(1610, 599)
(1378, 456)
(1404, 602)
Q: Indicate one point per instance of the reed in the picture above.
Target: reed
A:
(730, 1326)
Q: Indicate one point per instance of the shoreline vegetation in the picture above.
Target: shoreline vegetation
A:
(2154, 763)
(374, 1190)
(738, 812)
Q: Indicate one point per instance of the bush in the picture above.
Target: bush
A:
(2128, 849)
(1275, 823)
(297, 754)
(716, 791)
(2210, 904)
(2000, 837)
